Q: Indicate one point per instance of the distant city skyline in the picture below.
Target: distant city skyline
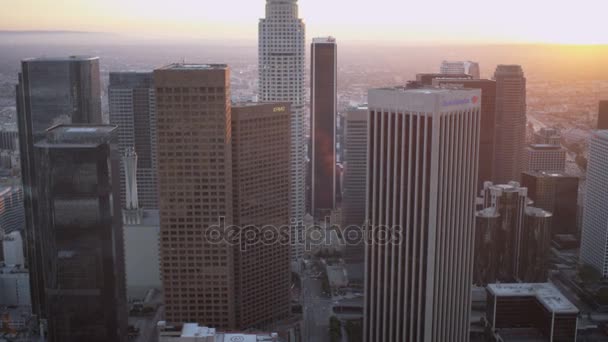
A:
(466, 21)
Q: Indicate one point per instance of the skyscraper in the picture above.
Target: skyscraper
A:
(511, 238)
(195, 191)
(541, 157)
(281, 58)
(323, 90)
(221, 166)
(594, 247)
(510, 122)
(355, 173)
(50, 91)
(260, 173)
(355, 168)
(82, 240)
(422, 174)
(534, 246)
(133, 110)
(461, 67)
(556, 193)
(487, 134)
(602, 115)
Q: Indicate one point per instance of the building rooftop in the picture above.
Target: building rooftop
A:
(324, 40)
(537, 212)
(544, 147)
(194, 66)
(546, 293)
(425, 99)
(521, 335)
(509, 69)
(61, 59)
(77, 135)
(441, 75)
(258, 104)
(422, 90)
(603, 134)
(549, 174)
(510, 187)
(193, 330)
(489, 212)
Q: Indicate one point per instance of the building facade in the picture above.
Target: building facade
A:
(418, 288)
(9, 140)
(461, 67)
(133, 109)
(487, 134)
(83, 251)
(556, 193)
(510, 122)
(195, 192)
(602, 115)
(12, 213)
(260, 178)
(51, 91)
(548, 158)
(281, 63)
(594, 246)
(355, 173)
(323, 110)
(142, 262)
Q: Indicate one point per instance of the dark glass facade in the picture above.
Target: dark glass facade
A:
(535, 245)
(51, 91)
(323, 126)
(79, 222)
(512, 239)
(558, 194)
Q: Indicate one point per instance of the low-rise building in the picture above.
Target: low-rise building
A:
(14, 286)
(141, 233)
(530, 312)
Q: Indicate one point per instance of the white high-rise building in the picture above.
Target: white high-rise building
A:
(594, 241)
(281, 58)
(423, 152)
(461, 67)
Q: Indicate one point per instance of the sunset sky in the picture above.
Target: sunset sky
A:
(458, 21)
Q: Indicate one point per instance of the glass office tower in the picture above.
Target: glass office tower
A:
(80, 229)
(51, 91)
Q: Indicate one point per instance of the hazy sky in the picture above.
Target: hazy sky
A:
(492, 21)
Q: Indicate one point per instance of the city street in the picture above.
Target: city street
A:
(317, 310)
